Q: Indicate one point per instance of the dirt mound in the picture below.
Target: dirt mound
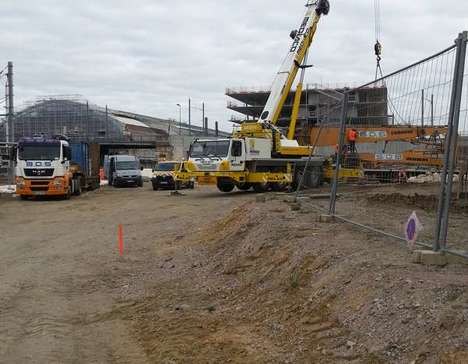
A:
(272, 285)
(425, 202)
(428, 202)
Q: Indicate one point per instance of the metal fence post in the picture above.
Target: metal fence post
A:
(423, 99)
(344, 117)
(445, 196)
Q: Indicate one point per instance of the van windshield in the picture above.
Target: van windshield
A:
(126, 165)
(215, 148)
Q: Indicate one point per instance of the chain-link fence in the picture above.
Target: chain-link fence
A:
(406, 134)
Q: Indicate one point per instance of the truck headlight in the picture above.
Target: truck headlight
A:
(225, 166)
(20, 183)
(190, 166)
(58, 183)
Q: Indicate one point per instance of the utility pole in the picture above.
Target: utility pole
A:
(216, 129)
(11, 107)
(107, 122)
(203, 116)
(206, 126)
(432, 110)
(10, 121)
(190, 116)
(87, 121)
(422, 108)
(180, 118)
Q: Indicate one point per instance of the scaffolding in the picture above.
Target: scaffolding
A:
(68, 115)
(319, 105)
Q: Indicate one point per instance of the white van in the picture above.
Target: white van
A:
(123, 170)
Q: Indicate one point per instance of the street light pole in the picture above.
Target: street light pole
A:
(431, 100)
(10, 108)
(203, 118)
(190, 116)
(180, 118)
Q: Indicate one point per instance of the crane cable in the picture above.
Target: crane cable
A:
(378, 32)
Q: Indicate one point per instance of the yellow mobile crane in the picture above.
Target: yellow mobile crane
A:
(259, 155)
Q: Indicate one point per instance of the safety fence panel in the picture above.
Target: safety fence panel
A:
(394, 135)
(457, 239)
(322, 137)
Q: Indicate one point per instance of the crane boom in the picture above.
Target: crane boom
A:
(302, 39)
(258, 155)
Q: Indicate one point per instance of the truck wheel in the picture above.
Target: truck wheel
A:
(24, 197)
(315, 177)
(140, 182)
(155, 187)
(177, 185)
(260, 187)
(192, 185)
(225, 185)
(69, 193)
(279, 187)
(77, 185)
(244, 186)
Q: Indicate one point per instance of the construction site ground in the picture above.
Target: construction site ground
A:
(220, 278)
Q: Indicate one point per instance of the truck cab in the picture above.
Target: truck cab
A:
(44, 167)
(212, 155)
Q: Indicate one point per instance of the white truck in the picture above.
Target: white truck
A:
(259, 155)
(55, 167)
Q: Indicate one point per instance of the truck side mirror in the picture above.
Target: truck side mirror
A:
(13, 152)
(141, 168)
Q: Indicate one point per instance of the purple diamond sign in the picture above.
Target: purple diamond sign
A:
(412, 229)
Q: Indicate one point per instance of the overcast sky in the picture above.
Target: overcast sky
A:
(146, 56)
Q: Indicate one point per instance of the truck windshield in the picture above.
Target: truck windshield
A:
(39, 151)
(126, 165)
(215, 148)
(165, 167)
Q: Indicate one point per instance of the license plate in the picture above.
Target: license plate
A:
(39, 193)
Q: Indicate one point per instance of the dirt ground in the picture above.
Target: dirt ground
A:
(214, 278)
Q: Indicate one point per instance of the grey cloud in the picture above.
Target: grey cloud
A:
(146, 56)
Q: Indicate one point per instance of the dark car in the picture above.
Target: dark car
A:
(164, 177)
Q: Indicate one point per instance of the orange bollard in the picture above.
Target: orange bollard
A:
(120, 240)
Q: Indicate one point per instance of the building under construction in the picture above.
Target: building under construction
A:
(320, 105)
